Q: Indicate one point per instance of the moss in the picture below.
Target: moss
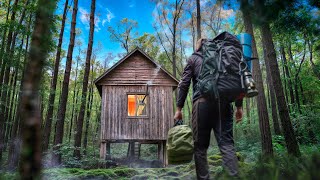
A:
(240, 157)
(217, 162)
(215, 157)
(144, 177)
(8, 176)
(172, 173)
(126, 172)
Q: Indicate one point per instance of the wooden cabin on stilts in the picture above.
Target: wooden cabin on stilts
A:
(137, 104)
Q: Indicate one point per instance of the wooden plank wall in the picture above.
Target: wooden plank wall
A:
(137, 69)
(114, 116)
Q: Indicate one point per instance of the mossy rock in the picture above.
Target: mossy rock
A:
(219, 156)
(215, 157)
(217, 162)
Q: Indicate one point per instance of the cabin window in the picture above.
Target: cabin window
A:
(137, 105)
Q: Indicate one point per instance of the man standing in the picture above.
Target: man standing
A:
(207, 115)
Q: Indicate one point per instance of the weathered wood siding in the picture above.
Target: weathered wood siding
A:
(118, 126)
(137, 69)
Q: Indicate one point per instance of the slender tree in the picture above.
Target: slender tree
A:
(291, 141)
(273, 101)
(30, 166)
(65, 89)
(198, 20)
(78, 135)
(4, 80)
(74, 108)
(261, 100)
(14, 148)
(287, 72)
(48, 123)
(4, 35)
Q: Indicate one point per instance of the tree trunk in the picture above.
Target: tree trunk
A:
(65, 89)
(48, 123)
(291, 141)
(14, 148)
(30, 166)
(248, 110)
(4, 80)
(88, 114)
(78, 135)
(287, 72)
(74, 110)
(285, 82)
(264, 126)
(3, 39)
(11, 59)
(198, 20)
(274, 111)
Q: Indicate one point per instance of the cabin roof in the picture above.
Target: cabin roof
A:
(99, 86)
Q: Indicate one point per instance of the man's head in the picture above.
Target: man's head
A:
(199, 44)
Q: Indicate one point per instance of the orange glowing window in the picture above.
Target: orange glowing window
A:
(137, 105)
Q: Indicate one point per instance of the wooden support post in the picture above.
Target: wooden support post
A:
(103, 149)
(108, 157)
(165, 158)
(159, 151)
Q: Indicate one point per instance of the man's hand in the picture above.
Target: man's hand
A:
(239, 114)
(178, 114)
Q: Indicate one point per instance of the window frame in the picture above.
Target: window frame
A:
(147, 105)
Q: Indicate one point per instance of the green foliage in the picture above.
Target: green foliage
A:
(307, 127)
(286, 167)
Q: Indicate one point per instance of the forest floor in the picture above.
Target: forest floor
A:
(280, 167)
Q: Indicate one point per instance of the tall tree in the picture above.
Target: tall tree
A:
(291, 141)
(287, 72)
(273, 101)
(48, 123)
(78, 135)
(65, 89)
(74, 107)
(5, 79)
(198, 20)
(30, 166)
(4, 34)
(265, 133)
(123, 32)
(14, 148)
(171, 24)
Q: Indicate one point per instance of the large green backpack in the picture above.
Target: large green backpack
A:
(221, 74)
(180, 145)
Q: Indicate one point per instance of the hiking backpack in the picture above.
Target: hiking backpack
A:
(223, 68)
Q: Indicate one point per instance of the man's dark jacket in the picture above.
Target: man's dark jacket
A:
(191, 72)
